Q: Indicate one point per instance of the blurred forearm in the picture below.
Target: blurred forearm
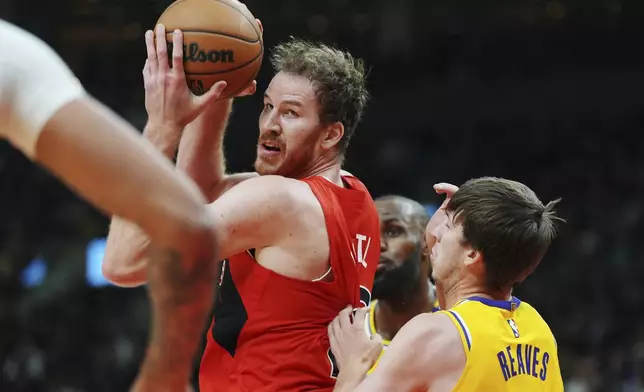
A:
(181, 291)
(125, 260)
(104, 159)
(201, 152)
(165, 139)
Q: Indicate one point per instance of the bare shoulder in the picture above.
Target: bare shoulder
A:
(432, 339)
(228, 183)
(286, 196)
(424, 348)
(278, 217)
(435, 331)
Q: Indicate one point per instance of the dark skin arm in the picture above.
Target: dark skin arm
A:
(139, 184)
(177, 319)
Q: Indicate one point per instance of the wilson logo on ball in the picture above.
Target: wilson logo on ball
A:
(193, 53)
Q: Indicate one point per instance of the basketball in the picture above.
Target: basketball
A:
(221, 41)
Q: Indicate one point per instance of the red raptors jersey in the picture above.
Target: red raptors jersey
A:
(269, 331)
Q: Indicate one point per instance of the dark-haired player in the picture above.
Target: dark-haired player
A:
(487, 238)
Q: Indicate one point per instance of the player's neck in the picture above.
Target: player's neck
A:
(328, 170)
(327, 166)
(390, 317)
(463, 290)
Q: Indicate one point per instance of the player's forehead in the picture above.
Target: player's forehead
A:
(394, 211)
(287, 87)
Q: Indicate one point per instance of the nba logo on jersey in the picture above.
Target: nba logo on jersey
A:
(514, 328)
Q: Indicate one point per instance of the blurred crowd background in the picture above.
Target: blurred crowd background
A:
(547, 92)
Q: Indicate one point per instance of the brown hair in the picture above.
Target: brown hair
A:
(338, 77)
(508, 224)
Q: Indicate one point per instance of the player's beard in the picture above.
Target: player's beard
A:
(399, 285)
(291, 163)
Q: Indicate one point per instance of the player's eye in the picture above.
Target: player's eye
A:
(394, 232)
(291, 113)
(268, 107)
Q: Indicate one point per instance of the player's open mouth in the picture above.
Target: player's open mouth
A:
(268, 150)
(271, 147)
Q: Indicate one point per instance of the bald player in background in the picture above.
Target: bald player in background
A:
(46, 113)
(401, 288)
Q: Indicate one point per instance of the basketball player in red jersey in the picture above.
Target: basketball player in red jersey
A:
(299, 238)
(46, 113)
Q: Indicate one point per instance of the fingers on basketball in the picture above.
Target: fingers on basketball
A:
(250, 90)
(211, 95)
(161, 48)
(151, 62)
(177, 52)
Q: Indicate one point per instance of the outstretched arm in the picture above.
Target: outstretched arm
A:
(45, 112)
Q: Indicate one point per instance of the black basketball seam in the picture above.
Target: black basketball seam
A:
(252, 22)
(246, 85)
(218, 33)
(228, 70)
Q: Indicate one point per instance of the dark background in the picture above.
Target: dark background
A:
(545, 92)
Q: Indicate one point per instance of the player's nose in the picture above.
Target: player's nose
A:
(383, 244)
(269, 123)
(432, 235)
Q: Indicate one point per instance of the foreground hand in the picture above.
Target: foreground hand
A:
(168, 100)
(440, 215)
(349, 341)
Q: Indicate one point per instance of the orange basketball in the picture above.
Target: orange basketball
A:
(221, 41)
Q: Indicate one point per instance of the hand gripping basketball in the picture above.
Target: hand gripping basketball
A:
(168, 100)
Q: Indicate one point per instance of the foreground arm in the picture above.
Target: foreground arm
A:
(45, 112)
(426, 353)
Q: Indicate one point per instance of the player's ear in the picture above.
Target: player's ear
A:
(332, 135)
(473, 257)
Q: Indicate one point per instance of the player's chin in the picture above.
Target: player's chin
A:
(266, 168)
